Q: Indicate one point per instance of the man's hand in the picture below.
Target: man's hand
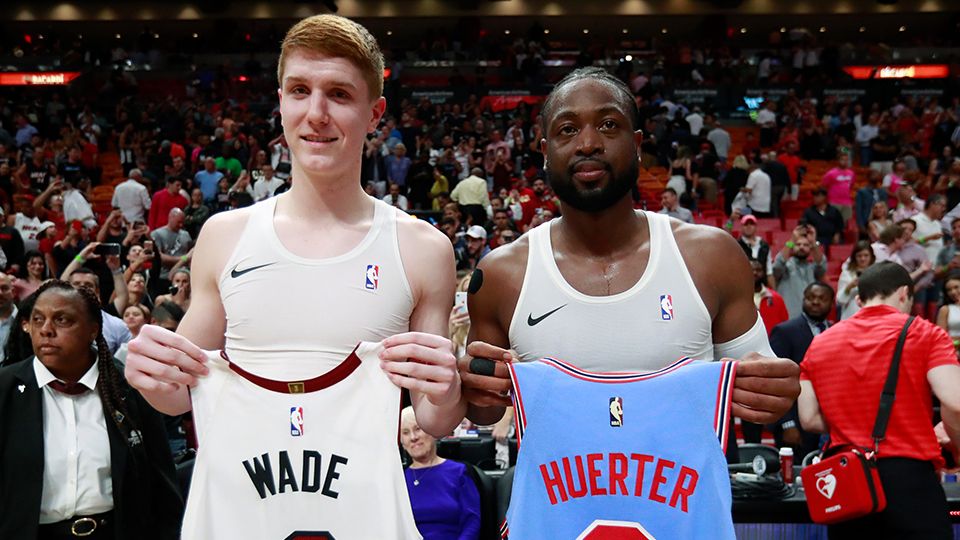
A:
(424, 363)
(87, 253)
(486, 378)
(160, 361)
(113, 263)
(501, 430)
(944, 439)
(765, 388)
(791, 437)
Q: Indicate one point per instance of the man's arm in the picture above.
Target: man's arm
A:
(121, 295)
(85, 254)
(47, 193)
(811, 418)
(422, 360)
(765, 387)
(495, 283)
(944, 381)
(166, 260)
(145, 198)
(161, 364)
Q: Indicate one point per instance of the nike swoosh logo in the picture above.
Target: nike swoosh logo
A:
(237, 273)
(533, 321)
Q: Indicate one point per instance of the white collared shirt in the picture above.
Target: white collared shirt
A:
(76, 450)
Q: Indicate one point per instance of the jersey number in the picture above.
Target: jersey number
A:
(615, 530)
(310, 535)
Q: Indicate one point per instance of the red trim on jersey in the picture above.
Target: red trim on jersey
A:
(519, 414)
(721, 415)
(328, 379)
(612, 377)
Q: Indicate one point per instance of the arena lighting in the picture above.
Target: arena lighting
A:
(624, 30)
(910, 71)
(47, 78)
(863, 28)
(546, 30)
(628, 58)
(743, 30)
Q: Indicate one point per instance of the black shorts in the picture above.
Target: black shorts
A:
(916, 506)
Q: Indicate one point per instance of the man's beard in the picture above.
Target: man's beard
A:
(594, 199)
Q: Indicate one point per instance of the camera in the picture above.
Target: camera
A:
(107, 249)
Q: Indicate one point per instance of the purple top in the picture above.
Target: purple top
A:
(445, 501)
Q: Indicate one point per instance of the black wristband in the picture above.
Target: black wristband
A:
(483, 366)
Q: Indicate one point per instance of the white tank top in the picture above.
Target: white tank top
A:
(953, 320)
(290, 317)
(647, 327)
(319, 464)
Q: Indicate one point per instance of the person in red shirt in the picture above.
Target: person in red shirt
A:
(841, 378)
(164, 201)
(528, 201)
(792, 162)
(769, 303)
(548, 201)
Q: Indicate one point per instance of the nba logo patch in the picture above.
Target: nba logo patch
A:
(296, 421)
(666, 307)
(616, 412)
(372, 277)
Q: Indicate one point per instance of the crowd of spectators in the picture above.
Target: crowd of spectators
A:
(477, 175)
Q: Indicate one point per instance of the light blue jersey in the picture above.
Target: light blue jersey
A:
(621, 455)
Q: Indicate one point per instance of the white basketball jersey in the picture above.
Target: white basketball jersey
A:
(313, 459)
(659, 318)
(290, 317)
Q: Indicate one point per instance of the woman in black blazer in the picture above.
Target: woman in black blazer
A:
(81, 454)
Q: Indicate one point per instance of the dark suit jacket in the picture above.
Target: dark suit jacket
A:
(791, 339)
(147, 501)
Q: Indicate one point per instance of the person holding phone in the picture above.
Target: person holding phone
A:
(179, 289)
(107, 255)
(799, 263)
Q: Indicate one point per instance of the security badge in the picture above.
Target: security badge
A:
(616, 412)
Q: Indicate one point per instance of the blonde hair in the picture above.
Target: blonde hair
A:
(740, 162)
(338, 37)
